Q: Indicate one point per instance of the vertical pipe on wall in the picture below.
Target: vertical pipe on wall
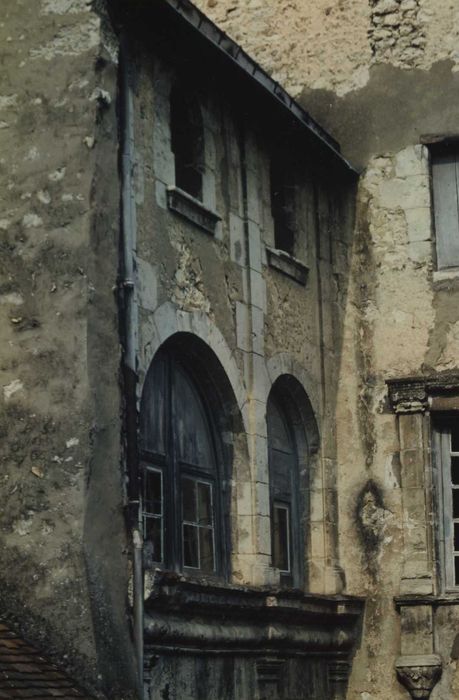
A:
(129, 306)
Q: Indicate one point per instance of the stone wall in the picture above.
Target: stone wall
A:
(379, 75)
(63, 574)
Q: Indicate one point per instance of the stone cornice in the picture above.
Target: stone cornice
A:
(193, 615)
(412, 394)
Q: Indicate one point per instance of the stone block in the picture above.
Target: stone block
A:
(316, 505)
(263, 534)
(420, 251)
(416, 629)
(258, 327)
(413, 160)
(408, 193)
(243, 327)
(262, 495)
(244, 535)
(258, 290)
(410, 430)
(147, 281)
(317, 541)
(253, 197)
(237, 239)
(419, 224)
(254, 246)
(244, 498)
(412, 468)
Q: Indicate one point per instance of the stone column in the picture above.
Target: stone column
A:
(409, 400)
(418, 668)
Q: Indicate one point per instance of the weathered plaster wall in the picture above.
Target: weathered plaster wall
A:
(63, 573)
(379, 75)
(260, 323)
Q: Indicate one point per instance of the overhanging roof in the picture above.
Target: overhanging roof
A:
(223, 46)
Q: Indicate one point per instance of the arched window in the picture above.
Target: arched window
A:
(293, 443)
(187, 140)
(181, 471)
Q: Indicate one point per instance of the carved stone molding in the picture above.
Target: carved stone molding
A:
(413, 394)
(419, 674)
(338, 677)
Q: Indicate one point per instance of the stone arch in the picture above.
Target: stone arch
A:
(295, 381)
(167, 321)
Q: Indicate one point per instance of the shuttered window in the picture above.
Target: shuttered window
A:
(445, 183)
(181, 480)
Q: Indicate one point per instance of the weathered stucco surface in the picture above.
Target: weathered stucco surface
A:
(63, 564)
(379, 75)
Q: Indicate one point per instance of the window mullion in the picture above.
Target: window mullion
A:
(175, 506)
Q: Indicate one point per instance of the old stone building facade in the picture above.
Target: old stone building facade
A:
(229, 365)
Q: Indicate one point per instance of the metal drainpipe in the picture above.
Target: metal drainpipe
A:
(130, 337)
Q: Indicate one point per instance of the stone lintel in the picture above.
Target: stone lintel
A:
(417, 394)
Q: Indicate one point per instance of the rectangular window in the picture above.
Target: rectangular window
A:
(447, 436)
(445, 185)
(198, 525)
(281, 537)
(153, 527)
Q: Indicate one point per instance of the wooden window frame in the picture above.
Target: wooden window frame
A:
(173, 470)
(442, 426)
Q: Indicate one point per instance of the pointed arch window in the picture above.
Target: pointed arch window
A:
(181, 471)
(187, 140)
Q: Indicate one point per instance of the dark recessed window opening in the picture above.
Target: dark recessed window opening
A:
(187, 141)
(445, 186)
(282, 206)
(181, 503)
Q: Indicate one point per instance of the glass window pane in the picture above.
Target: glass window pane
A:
(455, 470)
(282, 466)
(281, 537)
(204, 504)
(456, 537)
(154, 539)
(455, 439)
(194, 443)
(206, 541)
(190, 546)
(152, 494)
(455, 503)
(189, 500)
(153, 409)
(456, 571)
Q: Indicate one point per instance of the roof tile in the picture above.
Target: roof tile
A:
(24, 673)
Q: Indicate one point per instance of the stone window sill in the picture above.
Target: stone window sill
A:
(446, 598)
(450, 274)
(287, 265)
(192, 209)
